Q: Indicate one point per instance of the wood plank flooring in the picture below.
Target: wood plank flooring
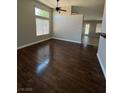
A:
(56, 66)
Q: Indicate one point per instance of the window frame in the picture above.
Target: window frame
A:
(43, 18)
(41, 10)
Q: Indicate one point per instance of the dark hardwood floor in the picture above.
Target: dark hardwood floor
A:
(56, 66)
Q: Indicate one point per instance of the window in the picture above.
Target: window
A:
(87, 28)
(98, 27)
(42, 22)
(42, 26)
(42, 13)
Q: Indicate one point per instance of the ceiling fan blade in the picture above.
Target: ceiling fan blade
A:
(63, 10)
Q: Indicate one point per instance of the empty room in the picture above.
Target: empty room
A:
(61, 46)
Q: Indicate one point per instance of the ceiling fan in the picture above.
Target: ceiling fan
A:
(58, 9)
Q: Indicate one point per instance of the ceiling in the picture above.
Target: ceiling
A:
(90, 6)
(83, 3)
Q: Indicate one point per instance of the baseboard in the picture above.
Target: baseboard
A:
(26, 45)
(66, 40)
(103, 69)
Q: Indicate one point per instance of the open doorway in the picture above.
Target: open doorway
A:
(91, 30)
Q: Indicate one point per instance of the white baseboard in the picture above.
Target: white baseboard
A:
(26, 45)
(66, 40)
(103, 69)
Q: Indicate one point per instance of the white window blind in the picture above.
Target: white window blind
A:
(42, 26)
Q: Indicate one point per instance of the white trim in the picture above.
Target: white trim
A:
(103, 69)
(26, 45)
(67, 40)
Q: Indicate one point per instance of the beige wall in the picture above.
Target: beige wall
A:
(89, 13)
(104, 21)
(26, 30)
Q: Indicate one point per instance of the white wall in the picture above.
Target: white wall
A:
(68, 27)
(102, 54)
(102, 47)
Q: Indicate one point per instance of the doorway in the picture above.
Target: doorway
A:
(91, 32)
